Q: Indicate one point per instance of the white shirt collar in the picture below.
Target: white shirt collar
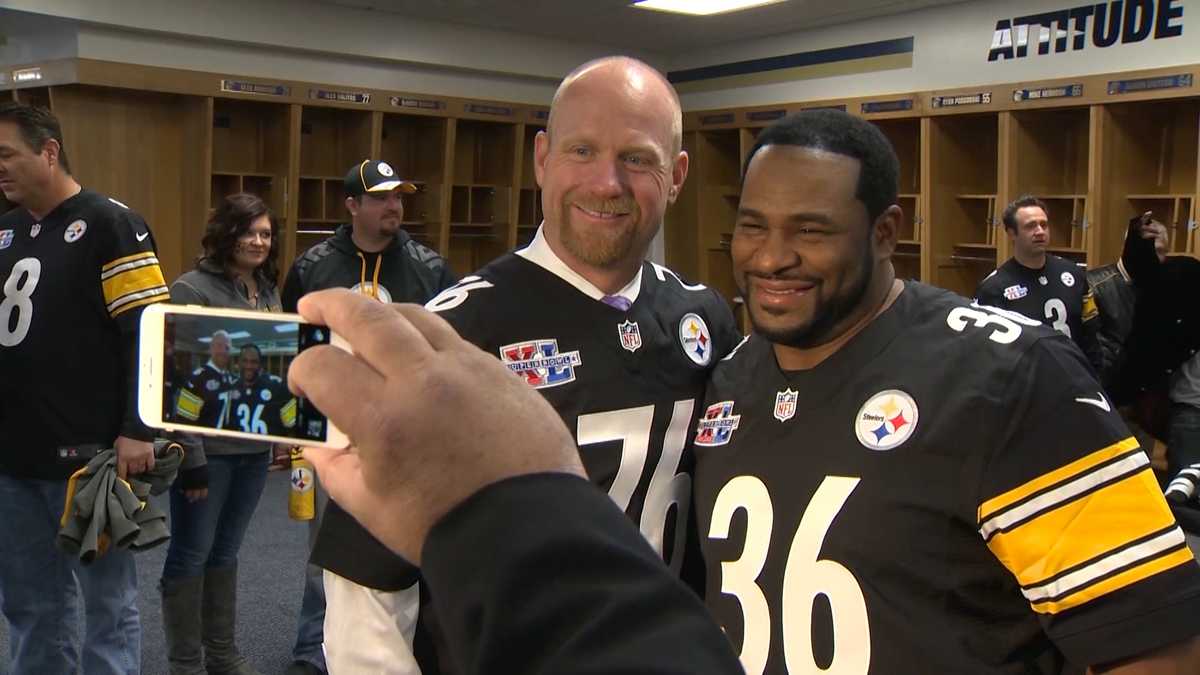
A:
(539, 253)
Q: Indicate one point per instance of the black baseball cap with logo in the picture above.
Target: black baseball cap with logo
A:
(372, 175)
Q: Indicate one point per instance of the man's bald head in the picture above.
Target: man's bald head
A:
(619, 75)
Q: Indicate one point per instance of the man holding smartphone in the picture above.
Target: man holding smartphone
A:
(372, 255)
(76, 269)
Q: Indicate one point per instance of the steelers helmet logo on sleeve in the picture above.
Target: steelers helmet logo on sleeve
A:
(265, 395)
(1068, 279)
(74, 231)
(695, 339)
(886, 420)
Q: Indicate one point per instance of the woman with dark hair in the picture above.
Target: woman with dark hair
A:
(221, 479)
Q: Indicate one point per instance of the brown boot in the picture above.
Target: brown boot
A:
(181, 624)
(219, 612)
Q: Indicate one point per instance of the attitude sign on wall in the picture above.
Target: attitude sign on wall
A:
(1097, 25)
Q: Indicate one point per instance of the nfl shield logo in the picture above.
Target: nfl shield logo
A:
(631, 337)
(785, 405)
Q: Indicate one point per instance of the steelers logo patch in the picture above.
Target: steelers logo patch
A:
(886, 420)
(1068, 279)
(302, 479)
(386, 170)
(74, 231)
(265, 395)
(695, 339)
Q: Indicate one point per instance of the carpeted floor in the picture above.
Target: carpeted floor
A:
(269, 588)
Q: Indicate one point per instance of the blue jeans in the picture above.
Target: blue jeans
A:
(208, 533)
(310, 632)
(39, 596)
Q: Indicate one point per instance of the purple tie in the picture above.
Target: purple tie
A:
(617, 302)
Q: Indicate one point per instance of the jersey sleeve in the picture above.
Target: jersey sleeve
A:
(1090, 325)
(988, 293)
(289, 408)
(460, 305)
(1069, 505)
(190, 403)
(130, 276)
(724, 328)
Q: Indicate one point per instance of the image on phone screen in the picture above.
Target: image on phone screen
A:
(231, 373)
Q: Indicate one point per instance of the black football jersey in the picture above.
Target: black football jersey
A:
(1057, 295)
(626, 383)
(264, 406)
(206, 398)
(71, 291)
(948, 493)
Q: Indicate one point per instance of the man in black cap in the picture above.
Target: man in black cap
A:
(372, 255)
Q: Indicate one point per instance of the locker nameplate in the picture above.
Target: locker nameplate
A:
(243, 87)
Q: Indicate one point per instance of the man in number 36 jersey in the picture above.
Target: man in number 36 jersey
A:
(890, 479)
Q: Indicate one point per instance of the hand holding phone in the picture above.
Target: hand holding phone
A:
(223, 372)
(434, 419)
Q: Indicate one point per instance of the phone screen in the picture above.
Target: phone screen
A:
(231, 373)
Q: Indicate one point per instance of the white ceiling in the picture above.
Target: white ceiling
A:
(615, 23)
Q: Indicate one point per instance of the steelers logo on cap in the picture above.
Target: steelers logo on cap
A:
(386, 170)
(886, 420)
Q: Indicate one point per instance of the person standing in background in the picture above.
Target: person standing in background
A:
(374, 256)
(221, 479)
(76, 269)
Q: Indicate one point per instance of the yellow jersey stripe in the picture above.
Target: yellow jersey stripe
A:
(1090, 310)
(1047, 500)
(1172, 558)
(128, 258)
(995, 504)
(162, 296)
(188, 406)
(1083, 530)
(141, 262)
(132, 281)
(288, 414)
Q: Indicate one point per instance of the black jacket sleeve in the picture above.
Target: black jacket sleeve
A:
(293, 289)
(520, 587)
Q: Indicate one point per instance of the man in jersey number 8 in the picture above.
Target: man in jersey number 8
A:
(890, 479)
(76, 269)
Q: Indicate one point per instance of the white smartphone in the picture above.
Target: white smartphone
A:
(223, 372)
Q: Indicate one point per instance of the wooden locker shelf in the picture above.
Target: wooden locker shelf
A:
(1150, 154)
